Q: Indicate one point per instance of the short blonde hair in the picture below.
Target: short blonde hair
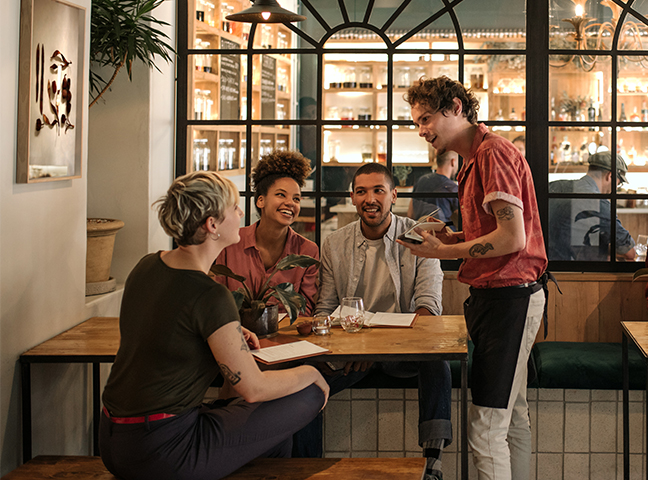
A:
(190, 201)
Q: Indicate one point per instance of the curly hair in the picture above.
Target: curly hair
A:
(276, 165)
(190, 201)
(438, 94)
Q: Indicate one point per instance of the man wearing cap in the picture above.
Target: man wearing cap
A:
(579, 229)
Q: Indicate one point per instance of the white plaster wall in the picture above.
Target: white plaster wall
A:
(42, 279)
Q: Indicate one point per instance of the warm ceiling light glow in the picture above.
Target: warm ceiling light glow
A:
(579, 10)
(265, 15)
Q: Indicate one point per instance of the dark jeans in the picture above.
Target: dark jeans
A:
(208, 442)
(435, 390)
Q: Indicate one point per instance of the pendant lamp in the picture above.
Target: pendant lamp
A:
(265, 11)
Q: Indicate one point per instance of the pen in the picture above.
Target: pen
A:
(424, 217)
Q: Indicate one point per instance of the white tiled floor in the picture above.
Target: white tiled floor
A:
(577, 434)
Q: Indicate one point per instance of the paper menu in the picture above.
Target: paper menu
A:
(381, 319)
(288, 351)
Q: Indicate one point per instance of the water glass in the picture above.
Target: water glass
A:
(322, 324)
(352, 314)
(641, 247)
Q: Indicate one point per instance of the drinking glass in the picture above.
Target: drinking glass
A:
(641, 247)
(322, 324)
(352, 314)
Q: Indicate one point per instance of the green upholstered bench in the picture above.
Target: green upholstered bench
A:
(589, 366)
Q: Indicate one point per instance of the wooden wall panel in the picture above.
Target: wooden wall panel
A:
(590, 309)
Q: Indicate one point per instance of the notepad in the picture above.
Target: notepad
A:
(413, 237)
(288, 351)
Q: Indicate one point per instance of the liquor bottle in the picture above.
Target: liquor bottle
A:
(565, 150)
(524, 114)
(499, 115)
(554, 151)
(513, 115)
(635, 116)
(591, 111)
(583, 153)
(644, 112)
(553, 109)
(622, 117)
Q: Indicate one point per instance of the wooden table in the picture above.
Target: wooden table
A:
(94, 341)
(432, 338)
(638, 333)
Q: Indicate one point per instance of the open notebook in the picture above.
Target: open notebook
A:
(281, 349)
(382, 319)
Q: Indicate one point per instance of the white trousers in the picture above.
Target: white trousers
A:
(501, 438)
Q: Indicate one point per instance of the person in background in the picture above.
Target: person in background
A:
(504, 264)
(178, 330)
(440, 181)
(363, 260)
(520, 143)
(277, 180)
(579, 229)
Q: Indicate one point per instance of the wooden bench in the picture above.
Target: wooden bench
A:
(48, 467)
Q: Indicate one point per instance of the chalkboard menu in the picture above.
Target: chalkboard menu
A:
(230, 85)
(268, 86)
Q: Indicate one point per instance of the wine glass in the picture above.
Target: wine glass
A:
(352, 314)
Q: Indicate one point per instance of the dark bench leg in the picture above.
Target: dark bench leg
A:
(96, 405)
(626, 409)
(464, 420)
(25, 373)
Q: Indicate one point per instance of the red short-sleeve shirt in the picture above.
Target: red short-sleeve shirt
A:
(497, 171)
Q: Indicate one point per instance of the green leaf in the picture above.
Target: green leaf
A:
(224, 271)
(293, 260)
(292, 301)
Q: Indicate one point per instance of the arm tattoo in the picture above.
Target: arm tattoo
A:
(233, 377)
(244, 347)
(505, 213)
(479, 249)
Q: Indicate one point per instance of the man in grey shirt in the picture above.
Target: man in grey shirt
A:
(363, 259)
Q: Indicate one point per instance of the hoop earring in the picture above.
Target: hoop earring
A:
(211, 235)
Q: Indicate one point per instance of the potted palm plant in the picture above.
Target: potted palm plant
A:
(256, 315)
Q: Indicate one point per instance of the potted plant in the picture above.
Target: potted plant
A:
(253, 304)
(122, 31)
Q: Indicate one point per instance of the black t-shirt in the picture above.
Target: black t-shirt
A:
(164, 363)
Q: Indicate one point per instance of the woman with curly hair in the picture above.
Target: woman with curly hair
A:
(277, 180)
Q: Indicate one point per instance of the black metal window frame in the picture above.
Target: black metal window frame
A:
(536, 124)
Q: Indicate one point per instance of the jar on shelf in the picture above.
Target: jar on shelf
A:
(332, 113)
(382, 152)
(199, 104)
(199, 145)
(266, 35)
(334, 150)
(207, 59)
(282, 79)
(208, 104)
(404, 79)
(350, 79)
(265, 146)
(199, 60)
(281, 144)
(382, 77)
(225, 23)
(347, 113)
(366, 77)
(226, 153)
(418, 73)
(477, 78)
(282, 40)
(242, 154)
(364, 113)
(404, 113)
(281, 111)
(335, 80)
(382, 113)
(367, 153)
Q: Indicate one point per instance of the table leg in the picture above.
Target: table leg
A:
(25, 373)
(464, 419)
(626, 409)
(96, 405)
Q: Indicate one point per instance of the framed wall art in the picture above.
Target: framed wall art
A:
(50, 91)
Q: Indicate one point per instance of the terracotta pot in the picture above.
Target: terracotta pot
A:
(265, 324)
(101, 241)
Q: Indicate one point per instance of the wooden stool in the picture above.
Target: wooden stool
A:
(48, 467)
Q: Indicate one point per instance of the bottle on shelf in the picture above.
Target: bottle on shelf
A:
(554, 151)
(591, 111)
(622, 117)
(632, 155)
(635, 116)
(583, 151)
(553, 109)
(499, 115)
(565, 150)
(523, 116)
(513, 115)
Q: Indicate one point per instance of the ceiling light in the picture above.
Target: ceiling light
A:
(265, 11)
